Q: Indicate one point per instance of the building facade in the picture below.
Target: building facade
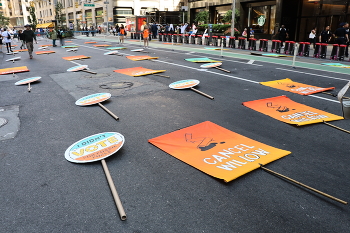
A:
(17, 11)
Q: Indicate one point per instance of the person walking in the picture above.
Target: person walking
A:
(312, 37)
(122, 33)
(347, 30)
(325, 35)
(0, 40)
(7, 40)
(21, 38)
(53, 36)
(29, 37)
(282, 35)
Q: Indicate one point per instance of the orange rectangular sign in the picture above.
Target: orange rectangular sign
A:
(71, 58)
(295, 87)
(44, 52)
(217, 151)
(284, 109)
(140, 58)
(13, 70)
(138, 71)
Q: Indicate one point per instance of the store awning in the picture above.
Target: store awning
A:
(45, 25)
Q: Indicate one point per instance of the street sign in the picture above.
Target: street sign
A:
(106, 3)
(0, 4)
(89, 5)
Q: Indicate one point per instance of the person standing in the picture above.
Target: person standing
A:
(29, 37)
(53, 36)
(7, 39)
(60, 35)
(325, 35)
(347, 30)
(312, 37)
(21, 38)
(154, 29)
(145, 35)
(282, 35)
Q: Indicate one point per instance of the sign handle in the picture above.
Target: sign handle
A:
(88, 71)
(29, 88)
(346, 131)
(114, 191)
(295, 54)
(110, 113)
(303, 185)
(223, 69)
(162, 75)
(202, 93)
(222, 47)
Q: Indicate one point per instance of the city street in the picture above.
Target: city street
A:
(42, 192)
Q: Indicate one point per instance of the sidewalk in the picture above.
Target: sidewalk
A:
(302, 62)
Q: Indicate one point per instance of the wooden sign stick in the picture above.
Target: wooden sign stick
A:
(303, 185)
(346, 131)
(223, 69)
(107, 110)
(29, 88)
(88, 71)
(202, 93)
(114, 191)
(162, 75)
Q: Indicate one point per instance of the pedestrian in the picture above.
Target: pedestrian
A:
(53, 36)
(121, 33)
(145, 35)
(29, 37)
(244, 33)
(312, 37)
(282, 35)
(0, 41)
(347, 30)
(251, 33)
(7, 39)
(92, 31)
(60, 35)
(99, 29)
(21, 38)
(325, 35)
(154, 30)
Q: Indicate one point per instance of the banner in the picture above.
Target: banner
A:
(137, 71)
(217, 151)
(295, 87)
(140, 58)
(13, 70)
(284, 109)
(71, 58)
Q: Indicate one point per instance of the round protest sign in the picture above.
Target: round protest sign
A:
(183, 84)
(211, 65)
(111, 53)
(93, 99)
(27, 80)
(14, 58)
(95, 147)
(77, 68)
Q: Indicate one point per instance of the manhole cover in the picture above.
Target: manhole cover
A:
(3, 121)
(116, 85)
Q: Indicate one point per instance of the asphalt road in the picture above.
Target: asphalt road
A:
(42, 192)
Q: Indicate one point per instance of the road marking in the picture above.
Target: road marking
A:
(250, 61)
(324, 76)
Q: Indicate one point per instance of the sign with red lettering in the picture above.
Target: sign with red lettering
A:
(95, 147)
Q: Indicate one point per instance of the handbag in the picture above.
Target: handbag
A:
(9, 36)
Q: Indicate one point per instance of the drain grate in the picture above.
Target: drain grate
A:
(116, 85)
(3, 122)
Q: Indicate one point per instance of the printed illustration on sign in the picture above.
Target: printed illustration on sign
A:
(217, 151)
(183, 84)
(298, 114)
(95, 147)
(138, 71)
(93, 99)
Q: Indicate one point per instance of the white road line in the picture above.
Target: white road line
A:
(250, 61)
(324, 76)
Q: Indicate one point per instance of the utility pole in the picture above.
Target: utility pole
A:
(233, 18)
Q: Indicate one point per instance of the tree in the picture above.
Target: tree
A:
(32, 17)
(4, 21)
(202, 16)
(228, 16)
(59, 16)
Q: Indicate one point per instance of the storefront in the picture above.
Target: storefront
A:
(99, 17)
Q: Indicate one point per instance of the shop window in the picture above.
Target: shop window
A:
(262, 19)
